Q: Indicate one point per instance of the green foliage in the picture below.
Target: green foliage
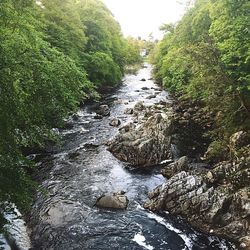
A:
(133, 49)
(206, 57)
(51, 58)
(104, 71)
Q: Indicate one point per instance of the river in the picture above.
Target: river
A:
(80, 170)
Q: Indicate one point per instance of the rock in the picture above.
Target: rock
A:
(151, 97)
(245, 242)
(156, 88)
(75, 117)
(128, 111)
(209, 200)
(191, 110)
(127, 127)
(163, 103)
(175, 167)
(145, 88)
(115, 122)
(239, 139)
(103, 110)
(98, 117)
(116, 201)
(210, 177)
(187, 115)
(146, 145)
(139, 106)
(143, 80)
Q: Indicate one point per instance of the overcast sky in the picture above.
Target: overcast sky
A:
(141, 17)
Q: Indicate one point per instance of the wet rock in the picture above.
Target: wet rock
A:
(156, 88)
(75, 117)
(98, 117)
(151, 97)
(175, 167)
(128, 111)
(127, 127)
(116, 201)
(103, 110)
(146, 145)
(139, 106)
(115, 122)
(163, 103)
(143, 80)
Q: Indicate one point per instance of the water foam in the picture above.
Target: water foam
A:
(140, 240)
(185, 238)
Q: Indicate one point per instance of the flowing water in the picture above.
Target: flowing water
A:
(81, 170)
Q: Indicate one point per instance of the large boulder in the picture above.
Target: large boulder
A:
(115, 201)
(217, 200)
(146, 145)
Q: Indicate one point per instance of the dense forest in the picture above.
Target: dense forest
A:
(54, 54)
(206, 58)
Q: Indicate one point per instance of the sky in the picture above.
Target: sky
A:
(141, 17)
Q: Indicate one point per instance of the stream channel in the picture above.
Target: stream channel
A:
(80, 170)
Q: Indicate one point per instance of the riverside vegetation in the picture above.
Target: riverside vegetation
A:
(53, 55)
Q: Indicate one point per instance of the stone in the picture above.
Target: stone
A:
(239, 139)
(146, 145)
(175, 167)
(98, 117)
(127, 127)
(128, 111)
(115, 122)
(115, 201)
(187, 115)
(75, 117)
(143, 79)
(103, 110)
(139, 106)
(151, 97)
(245, 242)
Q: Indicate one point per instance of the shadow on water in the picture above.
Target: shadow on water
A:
(82, 169)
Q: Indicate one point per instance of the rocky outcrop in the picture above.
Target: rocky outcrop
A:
(145, 145)
(115, 201)
(214, 200)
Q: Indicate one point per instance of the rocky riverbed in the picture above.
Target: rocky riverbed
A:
(214, 198)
